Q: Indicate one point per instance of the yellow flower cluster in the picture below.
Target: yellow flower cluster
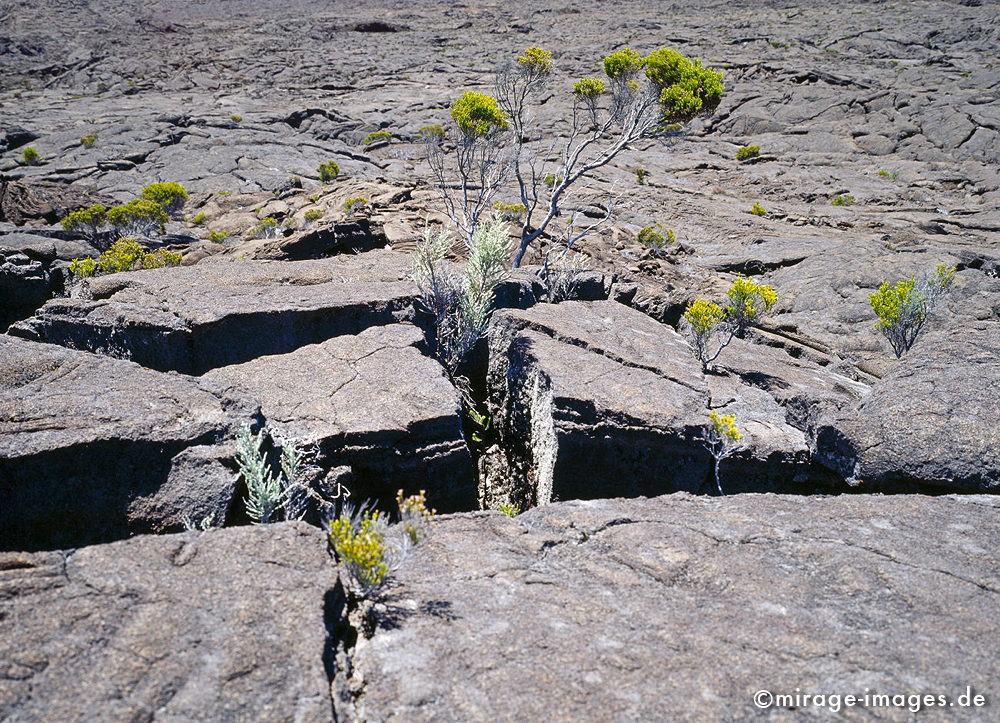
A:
(362, 550)
(725, 426)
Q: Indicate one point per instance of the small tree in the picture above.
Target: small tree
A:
(140, 217)
(712, 327)
(902, 309)
(638, 98)
(722, 439)
(170, 196)
(461, 304)
(88, 221)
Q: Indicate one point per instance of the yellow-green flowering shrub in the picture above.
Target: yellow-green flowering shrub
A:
(758, 210)
(656, 238)
(902, 308)
(376, 136)
(748, 302)
(170, 196)
(328, 171)
(722, 439)
(361, 550)
(478, 115)
(140, 217)
(711, 325)
(88, 141)
(87, 221)
(414, 515)
(745, 152)
(355, 203)
(30, 157)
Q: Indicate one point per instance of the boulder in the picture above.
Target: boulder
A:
(371, 401)
(222, 312)
(24, 285)
(23, 200)
(683, 607)
(590, 399)
(93, 449)
(350, 236)
(931, 421)
(219, 625)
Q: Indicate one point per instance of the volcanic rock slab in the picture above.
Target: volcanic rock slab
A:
(931, 420)
(93, 448)
(220, 625)
(195, 318)
(591, 399)
(371, 401)
(681, 608)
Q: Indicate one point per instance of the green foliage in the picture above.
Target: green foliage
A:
(432, 133)
(712, 325)
(640, 176)
(140, 217)
(217, 236)
(313, 214)
(656, 238)
(328, 171)
(478, 115)
(536, 61)
(722, 439)
(267, 228)
(510, 211)
(376, 136)
(414, 515)
(745, 152)
(89, 140)
(355, 203)
(171, 196)
(236, 118)
(748, 302)
(461, 305)
(30, 157)
(482, 422)
(361, 550)
(199, 219)
(265, 493)
(704, 316)
(553, 180)
(902, 309)
(588, 88)
(509, 509)
(121, 256)
(758, 210)
(86, 220)
(625, 63)
(894, 175)
(687, 88)
(82, 268)
(842, 200)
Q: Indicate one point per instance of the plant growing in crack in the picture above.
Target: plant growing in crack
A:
(460, 304)
(712, 327)
(272, 495)
(902, 309)
(722, 439)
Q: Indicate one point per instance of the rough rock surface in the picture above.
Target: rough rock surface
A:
(931, 420)
(371, 401)
(683, 607)
(192, 319)
(93, 448)
(591, 399)
(219, 625)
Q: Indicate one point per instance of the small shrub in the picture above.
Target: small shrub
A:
(589, 89)
(656, 238)
(82, 268)
(88, 141)
(87, 221)
(328, 171)
(313, 214)
(842, 200)
(217, 236)
(414, 515)
(121, 256)
(236, 118)
(894, 175)
(376, 136)
(553, 180)
(267, 228)
(30, 157)
(745, 152)
(509, 509)
(355, 203)
(432, 133)
(510, 211)
(140, 217)
(640, 176)
(722, 438)
(710, 324)
(478, 115)
(265, 493)
(170, 196)
(361, 550)
(758, 210)
(199, 219)
(902, 309)
(159, 259)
